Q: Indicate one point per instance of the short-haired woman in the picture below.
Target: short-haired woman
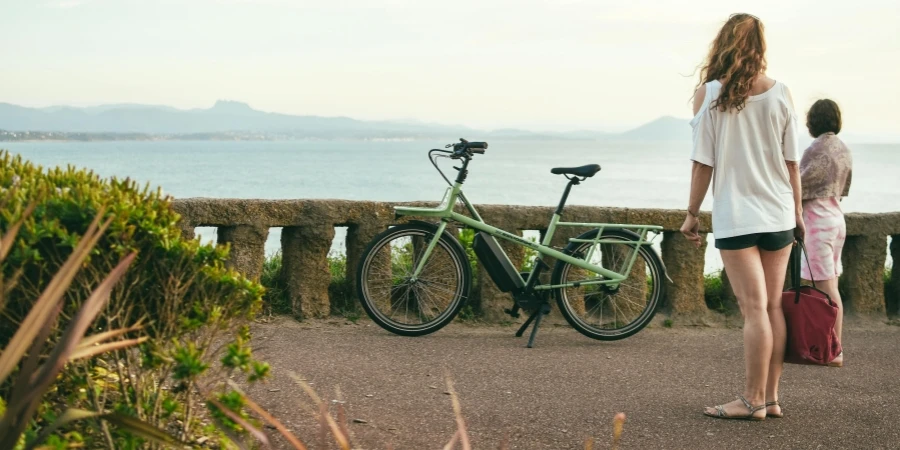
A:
(825, 171)
(745, 142)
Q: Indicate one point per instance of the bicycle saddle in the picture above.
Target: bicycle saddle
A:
(583, 171)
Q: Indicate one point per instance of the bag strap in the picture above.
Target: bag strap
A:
(794, 265)
(802, 246)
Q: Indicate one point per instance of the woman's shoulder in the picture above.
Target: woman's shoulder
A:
(704, 94)
(785, 92)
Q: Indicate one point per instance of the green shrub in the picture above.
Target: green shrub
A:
(180, 289)
(467, 239)
(343, 299)
(714, 292)
(275, 299)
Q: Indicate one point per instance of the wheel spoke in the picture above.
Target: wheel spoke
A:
(400, 303)
(629, 304)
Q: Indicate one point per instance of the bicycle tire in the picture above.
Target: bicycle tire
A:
(654, 270)
(455, 278)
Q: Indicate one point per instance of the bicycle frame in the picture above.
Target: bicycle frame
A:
(445, 212)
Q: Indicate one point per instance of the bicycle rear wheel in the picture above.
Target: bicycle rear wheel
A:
(601, 311)
(407, 306)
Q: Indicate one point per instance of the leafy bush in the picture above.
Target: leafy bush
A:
(343, 299)
(179, 289)
(714, 292)
(275, 299)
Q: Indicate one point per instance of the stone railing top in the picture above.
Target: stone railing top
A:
(287, 213)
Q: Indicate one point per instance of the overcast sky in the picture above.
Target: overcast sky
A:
(553, 64)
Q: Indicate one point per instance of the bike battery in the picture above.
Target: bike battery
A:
(496, 263)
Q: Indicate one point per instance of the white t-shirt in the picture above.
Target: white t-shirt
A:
(747, 150)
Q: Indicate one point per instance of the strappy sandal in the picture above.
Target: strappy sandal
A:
(721, 414)
(774, 416)
(839, 363)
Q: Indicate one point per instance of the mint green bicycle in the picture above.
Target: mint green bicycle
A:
(414, 278)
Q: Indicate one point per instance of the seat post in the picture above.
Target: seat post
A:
(562, 202)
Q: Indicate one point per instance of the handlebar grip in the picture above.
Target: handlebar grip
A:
(477, 150)
(477, 145)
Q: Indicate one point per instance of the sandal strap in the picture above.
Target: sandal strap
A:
(750, 407)
(720, 411)
(773, 403)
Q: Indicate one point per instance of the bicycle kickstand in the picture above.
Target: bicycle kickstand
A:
(536, 318)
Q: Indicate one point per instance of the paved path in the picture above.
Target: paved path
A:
(569, 388)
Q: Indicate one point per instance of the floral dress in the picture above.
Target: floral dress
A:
(825, 171)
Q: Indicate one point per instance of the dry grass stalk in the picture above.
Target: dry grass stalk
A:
(462, 433)
(268, 417)
(340, 438)
(618, 424)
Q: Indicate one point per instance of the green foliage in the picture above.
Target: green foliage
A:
(714, 293)
(343, 299)
(667, 323)
(467, 313)
(531, 256)
(467, 239)
(180, 289)
(235, 402)
(275, 300)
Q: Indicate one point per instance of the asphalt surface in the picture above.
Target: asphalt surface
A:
(568, 388)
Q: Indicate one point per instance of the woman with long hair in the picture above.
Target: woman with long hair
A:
(746, 145)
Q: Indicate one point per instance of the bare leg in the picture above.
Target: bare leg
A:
(830, 287)
(775, 266)
(745, 271)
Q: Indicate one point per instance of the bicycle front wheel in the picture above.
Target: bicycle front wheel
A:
(413, 305)
(610, 312)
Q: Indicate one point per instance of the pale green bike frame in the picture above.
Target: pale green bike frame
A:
(444, 211)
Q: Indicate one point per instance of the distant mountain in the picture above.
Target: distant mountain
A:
(666, 128)
(224, 116)
(228, 119)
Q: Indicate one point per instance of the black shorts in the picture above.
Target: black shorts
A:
(766, 241)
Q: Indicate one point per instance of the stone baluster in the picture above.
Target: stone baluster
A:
(305, 269)
(248, 248)
(685, 264)
(892, 293)
(359, 236)
(863, 278)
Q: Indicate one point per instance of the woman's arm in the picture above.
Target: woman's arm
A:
(794, 172)
(701, 175)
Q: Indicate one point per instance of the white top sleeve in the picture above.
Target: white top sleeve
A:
(704, 134)
(790, 140)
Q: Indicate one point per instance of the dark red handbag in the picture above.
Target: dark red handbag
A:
(810, 315)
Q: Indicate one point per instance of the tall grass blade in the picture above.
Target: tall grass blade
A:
(269, 418)
(618, 425)
(139, 428)
(70, 415)
(82, 352)
(107, 335)
(255, 432)
(457, 411)
(48, 302)
(79, 325)
(341, 439)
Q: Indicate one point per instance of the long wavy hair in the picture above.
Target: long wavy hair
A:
(736, 57)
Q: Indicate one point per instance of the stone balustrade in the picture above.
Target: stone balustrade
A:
(309, 228)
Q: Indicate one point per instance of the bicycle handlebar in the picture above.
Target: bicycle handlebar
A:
(466, 147)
